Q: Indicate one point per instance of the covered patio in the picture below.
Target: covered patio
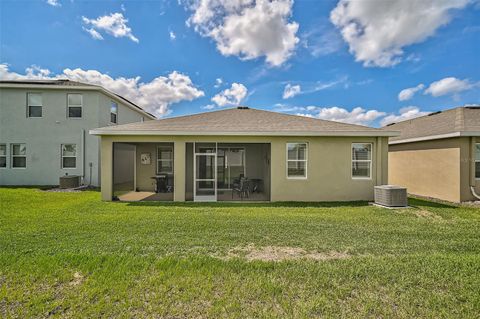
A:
(213, 171)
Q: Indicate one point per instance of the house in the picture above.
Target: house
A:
(44, 129)
(438, 155)
(213, 156)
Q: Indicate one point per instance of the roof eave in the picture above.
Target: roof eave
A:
(80, 88)
(101, 132)
(436, 137)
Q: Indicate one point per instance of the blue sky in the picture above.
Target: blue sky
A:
(341, 60)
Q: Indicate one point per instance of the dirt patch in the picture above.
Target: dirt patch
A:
(78, 279)
(280, 253)
(422, 213)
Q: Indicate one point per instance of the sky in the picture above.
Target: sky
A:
(368, 62)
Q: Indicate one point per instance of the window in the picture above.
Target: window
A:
(297, 160)
(113, 112)
(69, 155)
(361, 160)
(19, 155)
(477, 160)
(3, 155)
(164, 159)
(74, 105)
(34, 105)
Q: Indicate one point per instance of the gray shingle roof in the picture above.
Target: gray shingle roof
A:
(63, 82)
(462, 121)
(241, 121)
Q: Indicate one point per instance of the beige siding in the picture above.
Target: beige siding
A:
(329, 166)
(430, 168)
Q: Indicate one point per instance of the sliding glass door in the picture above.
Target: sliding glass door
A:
(231, 166)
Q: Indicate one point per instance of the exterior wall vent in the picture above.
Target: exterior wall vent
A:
(391, 196)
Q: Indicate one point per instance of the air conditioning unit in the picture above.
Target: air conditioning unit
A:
(391, 196)
(69, 181)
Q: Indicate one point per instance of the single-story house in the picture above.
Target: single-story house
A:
(438, 155)
(242, 153)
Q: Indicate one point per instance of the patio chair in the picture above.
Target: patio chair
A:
(241, 188)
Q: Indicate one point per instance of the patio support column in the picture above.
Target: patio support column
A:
(107, 168)
(179, 154)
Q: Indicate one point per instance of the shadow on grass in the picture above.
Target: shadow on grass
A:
(249, 204)
(415, 202)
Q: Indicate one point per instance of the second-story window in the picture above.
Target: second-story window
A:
(75, 104)
(114, 112)
(34, 105)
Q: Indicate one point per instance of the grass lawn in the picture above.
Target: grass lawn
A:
(71, 255)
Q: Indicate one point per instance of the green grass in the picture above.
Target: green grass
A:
(71, 255)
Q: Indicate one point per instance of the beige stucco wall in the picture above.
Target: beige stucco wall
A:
(428, 168)
(329, 166)
(442, 168)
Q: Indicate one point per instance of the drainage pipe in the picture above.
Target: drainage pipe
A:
(472, 189)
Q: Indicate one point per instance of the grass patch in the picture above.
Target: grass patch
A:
(71, 255)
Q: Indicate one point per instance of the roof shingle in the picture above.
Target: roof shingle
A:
(240, 121)
(462, 120)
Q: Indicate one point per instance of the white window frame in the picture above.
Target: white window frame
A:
(6, 156)
(297, 160)
(116, 113)
(163, 160)
(28, 105)
(62, 156)
(370, 160)
(69, 106)
(476, 160)
(12, 155)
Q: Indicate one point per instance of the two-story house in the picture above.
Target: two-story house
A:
(44, 129)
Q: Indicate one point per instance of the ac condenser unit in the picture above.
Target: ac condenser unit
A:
(391, 196)
(69, 181)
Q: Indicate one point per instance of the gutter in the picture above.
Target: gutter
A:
(436, 137)
(214, 133)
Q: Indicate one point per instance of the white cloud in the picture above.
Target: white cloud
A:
(377, 31)
(114, 24)
(232, 96)
(407, 94)
(291, 90)
(356, 116)
(122, 6)
(54, 3)
(405, 113)
(322, 40)
(172, 35)
(218, 82)
(246, 28)
(94, 33)
(448, 85)
(155, 96)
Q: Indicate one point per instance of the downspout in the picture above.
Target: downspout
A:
(83, 155)
(472, 168)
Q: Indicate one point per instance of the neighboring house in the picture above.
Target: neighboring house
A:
(242, 153)
(44, 129)
(438, 155)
